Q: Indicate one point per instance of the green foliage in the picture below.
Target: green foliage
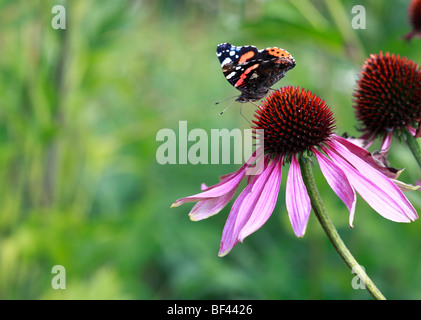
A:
(79, 182)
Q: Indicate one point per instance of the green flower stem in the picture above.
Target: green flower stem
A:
(330, 230)
(413, 145)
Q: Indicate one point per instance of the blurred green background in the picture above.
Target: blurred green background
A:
(79, 182)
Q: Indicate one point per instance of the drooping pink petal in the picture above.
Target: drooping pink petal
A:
(297, 200)
(386, 142)
(366, 157)
(339, 183)
(242, 209)
(372, 194)
(366, 166)
(229, 237)
(229, 183)
(207, 208)
(413, 131)
(266, 202)
(375, 188)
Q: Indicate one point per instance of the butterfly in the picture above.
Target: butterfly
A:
(253, 71)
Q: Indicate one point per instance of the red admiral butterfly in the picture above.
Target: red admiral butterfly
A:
(253, 71)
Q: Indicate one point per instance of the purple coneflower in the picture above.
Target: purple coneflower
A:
(388, 98)
(296, 124)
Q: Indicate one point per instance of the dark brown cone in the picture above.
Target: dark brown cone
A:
(294, 120)
(388, 94)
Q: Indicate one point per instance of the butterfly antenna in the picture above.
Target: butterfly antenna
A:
(225, 100)
(254, 103)
(241, 112)
(221, 113)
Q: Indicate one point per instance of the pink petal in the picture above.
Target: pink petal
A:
(387, 141)
(376, 189)
(297, 200)
(204, 187)
(339, 183)
(229, 183)
(366, 157)
(413, 131)
(207, 208)
(242, 209)
(266, 202)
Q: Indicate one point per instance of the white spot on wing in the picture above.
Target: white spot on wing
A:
(231, 75)
(226, 61)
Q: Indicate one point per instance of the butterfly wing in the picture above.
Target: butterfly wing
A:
(235, 62)
(274, 63)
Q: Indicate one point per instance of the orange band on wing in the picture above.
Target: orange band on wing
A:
(246, 56)
(244, 75)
